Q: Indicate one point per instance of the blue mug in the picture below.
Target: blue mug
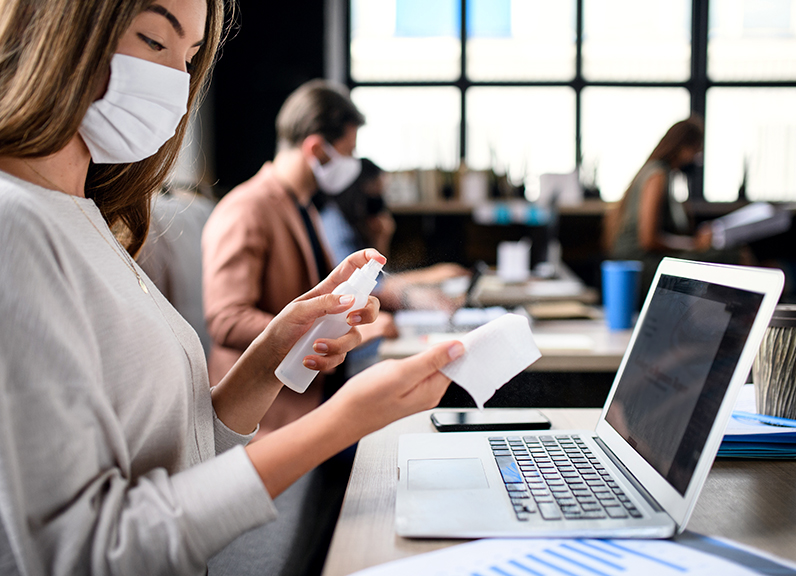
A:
(621, 280)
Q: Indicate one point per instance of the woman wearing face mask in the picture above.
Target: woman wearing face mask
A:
(115, 456)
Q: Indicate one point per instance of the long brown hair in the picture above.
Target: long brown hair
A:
(685, 133)
(53, 57)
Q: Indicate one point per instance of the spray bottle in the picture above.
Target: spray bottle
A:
(291, 372)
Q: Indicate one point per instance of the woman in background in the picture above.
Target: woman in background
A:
(116, 457)
(649, 223)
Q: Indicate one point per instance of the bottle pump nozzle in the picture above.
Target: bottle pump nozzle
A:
(364, 279)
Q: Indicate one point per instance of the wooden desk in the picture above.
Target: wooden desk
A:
(752, 502)
(600, 350)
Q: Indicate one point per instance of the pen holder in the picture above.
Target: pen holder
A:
(774, 368)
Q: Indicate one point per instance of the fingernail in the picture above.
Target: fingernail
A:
(355, 319)
(456, 350)
(310, 363)
(346, 299)
(320, 348)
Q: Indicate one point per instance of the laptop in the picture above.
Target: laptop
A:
(639, 472)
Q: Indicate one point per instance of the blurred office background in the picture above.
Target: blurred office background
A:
(517, 89)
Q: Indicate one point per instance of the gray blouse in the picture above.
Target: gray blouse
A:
(112, 460)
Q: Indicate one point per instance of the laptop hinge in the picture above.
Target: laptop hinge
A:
(632, 479)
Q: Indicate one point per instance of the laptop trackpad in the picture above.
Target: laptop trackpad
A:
(446, 474)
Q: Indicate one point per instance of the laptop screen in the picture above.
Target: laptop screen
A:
(678, 372)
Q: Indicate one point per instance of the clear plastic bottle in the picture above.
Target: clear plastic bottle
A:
(291, 372)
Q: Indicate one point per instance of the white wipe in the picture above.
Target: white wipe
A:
(494, 354)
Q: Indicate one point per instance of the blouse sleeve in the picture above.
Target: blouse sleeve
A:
(226, 438)
(69, 502)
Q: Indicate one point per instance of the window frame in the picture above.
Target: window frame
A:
(697, 85)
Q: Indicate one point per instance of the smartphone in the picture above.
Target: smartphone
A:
(490, 419)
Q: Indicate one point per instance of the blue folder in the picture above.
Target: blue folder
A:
(750, 435)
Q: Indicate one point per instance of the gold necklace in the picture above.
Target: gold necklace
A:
(127, 259)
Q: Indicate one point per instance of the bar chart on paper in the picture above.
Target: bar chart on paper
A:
(559, 557)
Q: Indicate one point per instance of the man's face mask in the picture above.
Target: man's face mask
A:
(139, 112)
(338, 173)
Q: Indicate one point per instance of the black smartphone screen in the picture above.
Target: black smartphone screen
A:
(490, 419)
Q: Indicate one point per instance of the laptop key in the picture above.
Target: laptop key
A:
(549, 510)
(605, 498)
(616, 512)
(508, 469)
(593, 515)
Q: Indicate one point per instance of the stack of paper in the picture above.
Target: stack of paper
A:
(752, 435)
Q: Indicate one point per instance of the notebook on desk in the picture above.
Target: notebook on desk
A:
(639, 473)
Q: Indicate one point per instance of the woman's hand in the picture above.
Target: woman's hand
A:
(703, 239)
(297, 317)
(393, 389)
(370, 400)
(249, 388)
(383, 327)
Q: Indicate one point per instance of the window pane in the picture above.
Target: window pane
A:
(520, 40)
(620, 128)
(631, 40)
(409, 128)
(752, 40)
(522, 131)
(756, 126)
(394, 40)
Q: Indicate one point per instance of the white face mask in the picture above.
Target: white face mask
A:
(140, 111)
(338, 173)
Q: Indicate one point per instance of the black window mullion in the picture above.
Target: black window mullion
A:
(462, 84)
(699, 56)
(348, 33)
(698, 84)
(578, 82)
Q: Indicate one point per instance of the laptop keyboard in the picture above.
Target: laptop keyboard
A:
(558, 477)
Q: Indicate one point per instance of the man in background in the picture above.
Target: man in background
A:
(263, 245)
